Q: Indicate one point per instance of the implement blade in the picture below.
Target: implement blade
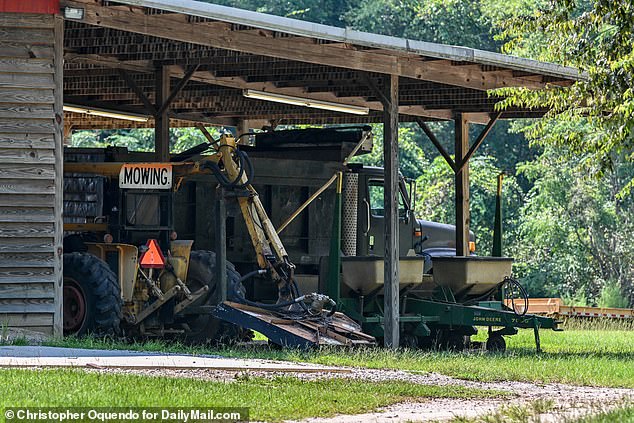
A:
(337, 330)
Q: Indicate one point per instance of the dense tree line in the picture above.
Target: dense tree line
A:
(569, 213)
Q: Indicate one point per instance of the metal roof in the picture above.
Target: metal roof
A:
(112, 54)
(351, 36)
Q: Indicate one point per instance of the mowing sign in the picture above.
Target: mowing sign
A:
(145, 176)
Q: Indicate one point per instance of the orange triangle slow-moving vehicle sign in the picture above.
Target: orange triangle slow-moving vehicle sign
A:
(153, 257)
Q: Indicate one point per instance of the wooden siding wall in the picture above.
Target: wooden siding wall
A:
(31, 129)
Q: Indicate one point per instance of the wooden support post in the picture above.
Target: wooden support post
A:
(243, 127)
(462, 185)
(478, 142)
(161, 120)
(220, 218)
(58, 108)
(391, 193)
(164, 106)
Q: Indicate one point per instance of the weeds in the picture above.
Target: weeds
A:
(512, 413)
(4, 333)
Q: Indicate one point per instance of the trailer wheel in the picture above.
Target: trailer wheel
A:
(496, 343)
(91, 296)
(206, 328)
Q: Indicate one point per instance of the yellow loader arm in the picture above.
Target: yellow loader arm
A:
(269, 250)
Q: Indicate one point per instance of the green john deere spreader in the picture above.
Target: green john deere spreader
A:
(441, 309)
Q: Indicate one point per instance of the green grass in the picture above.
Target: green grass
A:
(586, 355)
(512, 413)
(268, 399)
(621, 415)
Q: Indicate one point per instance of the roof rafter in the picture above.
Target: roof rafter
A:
(208, 77)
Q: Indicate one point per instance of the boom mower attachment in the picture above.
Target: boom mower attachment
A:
(295, 319)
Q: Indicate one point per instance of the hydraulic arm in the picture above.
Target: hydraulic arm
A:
(233, 170)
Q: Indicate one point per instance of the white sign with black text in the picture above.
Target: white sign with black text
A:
(145, 176)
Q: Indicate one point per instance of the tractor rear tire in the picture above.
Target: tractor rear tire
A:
(206, 328)
(92, 297)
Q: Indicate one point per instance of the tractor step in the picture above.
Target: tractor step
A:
(336, 330)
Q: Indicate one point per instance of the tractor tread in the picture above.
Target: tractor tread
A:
(94, 275)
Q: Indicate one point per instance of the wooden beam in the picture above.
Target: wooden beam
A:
(390, 199)
(378, 91)
(240, 83)
(162, 120)
(253, 42)
(432, 137)
(149, 107)
(481, 118)
(478, 141)
(179, 87)
(110, 62)
(236, 82)
(207, 135)
(204, 118)
(462, 185)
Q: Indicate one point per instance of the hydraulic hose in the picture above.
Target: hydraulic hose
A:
(299, 299)
(245, 166)
(522, 291)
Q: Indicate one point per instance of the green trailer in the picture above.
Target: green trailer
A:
(440, 310)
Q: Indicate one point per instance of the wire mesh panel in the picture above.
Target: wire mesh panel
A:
(350, 208)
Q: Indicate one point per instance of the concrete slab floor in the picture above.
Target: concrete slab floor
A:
(41, 356)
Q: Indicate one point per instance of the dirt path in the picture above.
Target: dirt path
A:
(568, 401)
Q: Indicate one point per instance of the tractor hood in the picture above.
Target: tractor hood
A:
(439, 238)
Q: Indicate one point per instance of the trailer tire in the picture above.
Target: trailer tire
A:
(92, 297)
(496, 343)
(206, 328)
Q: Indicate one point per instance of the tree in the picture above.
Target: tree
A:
(576, 235)
(458, 22)
(435, 199)
(587, 132)
(596, 37)
(327, 12)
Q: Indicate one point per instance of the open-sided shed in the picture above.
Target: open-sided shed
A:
(176, 62)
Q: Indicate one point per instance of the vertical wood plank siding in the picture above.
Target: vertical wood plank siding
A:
(31, 171)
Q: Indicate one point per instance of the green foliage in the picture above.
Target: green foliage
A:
(321, 11)
(612, 296)
(575, 233)
(575, 299)
(435, 199)
(411, 155)
(596, 37)
(458, 22)
(140, 139)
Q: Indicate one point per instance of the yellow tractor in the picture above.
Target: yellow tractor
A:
(126, 271)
